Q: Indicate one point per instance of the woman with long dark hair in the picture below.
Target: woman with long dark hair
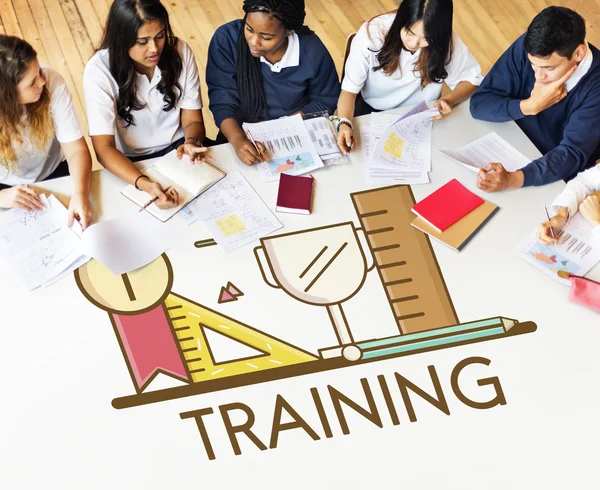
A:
(40, 135)
(142, 95)
(403, 58)
(265, 66)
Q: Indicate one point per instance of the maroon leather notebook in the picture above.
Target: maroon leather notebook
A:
(295, 194)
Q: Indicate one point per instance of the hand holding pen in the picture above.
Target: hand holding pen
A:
(248, 150)
(546, 231)
(164, 199)
(346, 141)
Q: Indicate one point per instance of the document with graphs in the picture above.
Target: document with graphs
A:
(289, 147)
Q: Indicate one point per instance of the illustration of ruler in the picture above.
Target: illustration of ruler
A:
(404, 259)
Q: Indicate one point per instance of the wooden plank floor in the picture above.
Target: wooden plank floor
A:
(66, 32)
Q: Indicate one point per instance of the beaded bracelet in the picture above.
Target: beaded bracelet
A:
(342, 121)
(136, 181)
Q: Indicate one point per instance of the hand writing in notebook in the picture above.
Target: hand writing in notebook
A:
(165, 200)
(196, 152)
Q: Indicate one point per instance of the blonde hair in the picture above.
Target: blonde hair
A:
(15, 57)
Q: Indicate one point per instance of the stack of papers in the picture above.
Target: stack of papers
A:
(323, 136)
(37, 245)
(397, 149)
(233, 213)
(39, 249)
(289, 147)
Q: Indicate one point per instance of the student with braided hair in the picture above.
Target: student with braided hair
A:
(265, 66)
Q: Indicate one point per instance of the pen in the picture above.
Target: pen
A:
(253, 142)
(548, 217)
(154, 199)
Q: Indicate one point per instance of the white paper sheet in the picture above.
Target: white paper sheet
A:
(407, 144)
(234, 214)
(128, 242)
(289, 147)
(37, 246)
(489, 148)
(323, 136)
(379, 175)
(575, 252)
(186, 216)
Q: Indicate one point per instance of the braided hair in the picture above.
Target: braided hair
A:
(253, 101)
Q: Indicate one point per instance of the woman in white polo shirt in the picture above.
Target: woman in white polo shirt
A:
(403, 58)
(142, 95)
(38, 129)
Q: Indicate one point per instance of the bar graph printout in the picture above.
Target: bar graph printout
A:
(289, 147)
(575, 252)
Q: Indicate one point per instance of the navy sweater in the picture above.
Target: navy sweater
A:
(311, 86)
(567, 133)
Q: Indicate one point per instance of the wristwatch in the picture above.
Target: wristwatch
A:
(195, 140)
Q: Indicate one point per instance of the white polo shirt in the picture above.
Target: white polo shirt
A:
(35, 164)
(576, 191)
(403, 87)
(153, 128)
(291, 57)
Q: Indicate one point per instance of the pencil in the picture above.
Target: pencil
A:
(154, 199)
(548, 217)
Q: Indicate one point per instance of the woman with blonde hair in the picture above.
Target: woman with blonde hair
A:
(40, 135)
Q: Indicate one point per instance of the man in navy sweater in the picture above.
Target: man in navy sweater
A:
(548, 81)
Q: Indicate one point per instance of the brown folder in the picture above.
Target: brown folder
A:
(457, 235)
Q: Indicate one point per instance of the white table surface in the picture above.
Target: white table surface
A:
(62, 366)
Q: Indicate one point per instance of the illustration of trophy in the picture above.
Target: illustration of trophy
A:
(320, 266)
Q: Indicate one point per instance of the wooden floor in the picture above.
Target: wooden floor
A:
(66, 32)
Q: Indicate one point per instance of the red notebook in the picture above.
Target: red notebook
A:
(295, 194)
(445, 206)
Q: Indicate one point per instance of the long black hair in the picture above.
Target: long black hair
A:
(120, 34)
(249, 72)
(437, 25)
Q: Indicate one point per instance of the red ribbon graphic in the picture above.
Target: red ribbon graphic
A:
(149, 346)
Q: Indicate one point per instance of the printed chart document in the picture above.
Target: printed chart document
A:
(234, 214)
(576, 252)
(37, 246)
(129, 242)
(322, 134)
(487, 149)
(189, 181)
(289, 146)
